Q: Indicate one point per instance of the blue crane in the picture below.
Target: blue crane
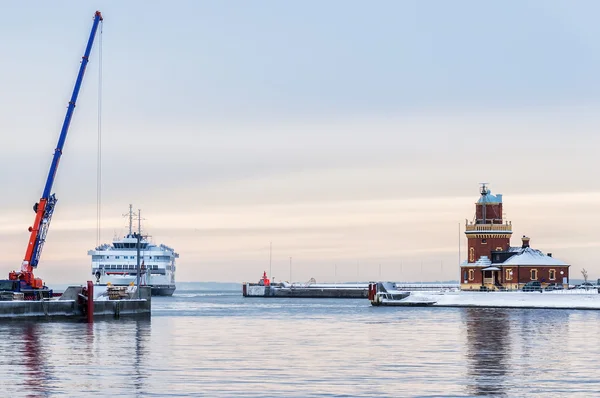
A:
(25, 280)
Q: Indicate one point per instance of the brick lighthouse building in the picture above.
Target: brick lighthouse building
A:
(492, 264)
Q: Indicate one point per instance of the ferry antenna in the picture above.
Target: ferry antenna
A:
(130, 215)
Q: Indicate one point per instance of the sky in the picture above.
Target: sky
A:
(351, 136)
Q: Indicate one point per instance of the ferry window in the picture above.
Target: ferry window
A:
(533, 274)
(471, 274)
(101, 266)
(508, 275)
(117, 257)
(119, 266)
(552, 274)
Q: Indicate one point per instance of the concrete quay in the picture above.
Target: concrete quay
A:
(73, 305)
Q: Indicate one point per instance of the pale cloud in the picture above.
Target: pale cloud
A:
(230, 242)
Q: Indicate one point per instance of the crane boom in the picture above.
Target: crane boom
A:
(45, 207)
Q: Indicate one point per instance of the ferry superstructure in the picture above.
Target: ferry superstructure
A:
(116, 263)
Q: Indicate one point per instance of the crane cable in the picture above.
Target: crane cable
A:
(99, 154)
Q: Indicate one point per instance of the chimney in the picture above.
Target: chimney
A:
(525, 242)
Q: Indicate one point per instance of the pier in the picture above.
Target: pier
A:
(74, 304)
(331, 290)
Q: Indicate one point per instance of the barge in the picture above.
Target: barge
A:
(266, 288)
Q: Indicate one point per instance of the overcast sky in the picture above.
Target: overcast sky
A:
(348, 133)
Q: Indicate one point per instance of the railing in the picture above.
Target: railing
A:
(488, 227)
(427, 286)
(563, 291)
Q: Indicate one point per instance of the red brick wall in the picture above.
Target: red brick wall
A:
(485, 249)
(543, 274)
(477, 275)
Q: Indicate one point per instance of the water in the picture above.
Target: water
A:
(219, 344)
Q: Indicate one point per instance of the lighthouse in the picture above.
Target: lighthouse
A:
(492, 264)
(488, 231)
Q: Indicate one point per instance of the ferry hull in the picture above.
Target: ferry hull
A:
(161, 290)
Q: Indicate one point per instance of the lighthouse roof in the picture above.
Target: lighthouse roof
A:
(489, 198)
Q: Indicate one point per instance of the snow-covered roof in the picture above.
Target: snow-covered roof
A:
(529, 256)
(483, 261)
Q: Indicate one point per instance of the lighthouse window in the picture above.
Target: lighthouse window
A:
(552, 274)
(534, 274)
(471, 274)
(509, 274)
(483, 240)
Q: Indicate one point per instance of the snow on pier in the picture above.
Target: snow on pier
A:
(567, 299)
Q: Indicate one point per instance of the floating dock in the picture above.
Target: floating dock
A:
(74, 304)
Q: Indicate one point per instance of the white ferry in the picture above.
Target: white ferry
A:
(116, 263)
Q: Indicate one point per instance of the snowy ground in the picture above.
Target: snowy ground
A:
(573, 299)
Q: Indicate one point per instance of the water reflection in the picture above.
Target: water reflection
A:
(303, 347)
(488, 350)
(541, 333)
(36, 367)
(142, 336)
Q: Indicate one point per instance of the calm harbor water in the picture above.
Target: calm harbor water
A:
(219, 344)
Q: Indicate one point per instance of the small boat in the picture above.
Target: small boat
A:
(387, 294)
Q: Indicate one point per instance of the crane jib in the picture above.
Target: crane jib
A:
(45, 207)
(71, 108)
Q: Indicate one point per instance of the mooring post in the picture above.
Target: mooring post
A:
(90, 301)
(137, 266)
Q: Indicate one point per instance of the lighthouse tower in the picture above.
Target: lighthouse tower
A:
(487, 233)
